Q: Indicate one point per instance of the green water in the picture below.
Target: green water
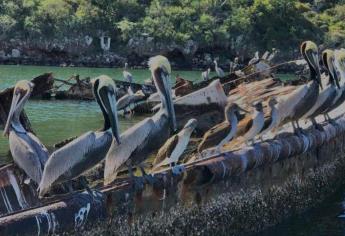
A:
(55, 121)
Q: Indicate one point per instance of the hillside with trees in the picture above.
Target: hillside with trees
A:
(56, 31)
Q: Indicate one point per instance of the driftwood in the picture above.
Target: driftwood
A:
(229, 81)
(184, 87)
(43, 85)
(222, 194)
(81, 89)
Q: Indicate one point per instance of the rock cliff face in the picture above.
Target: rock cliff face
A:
(85, 52)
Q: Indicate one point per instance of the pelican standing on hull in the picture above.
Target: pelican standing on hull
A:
(26, 149)
(218, 70)
(171, 151)
(222, 133)
(273, 118)
(150, 134)
(295, 105)
(328, 95)
(126, 74)
(254, 125)
(85, 152)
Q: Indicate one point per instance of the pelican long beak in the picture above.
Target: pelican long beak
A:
(335, 74)
(162, 81)
(108, 100)
(169, 101)
(17, 101)
(14, 106)
(315, 63)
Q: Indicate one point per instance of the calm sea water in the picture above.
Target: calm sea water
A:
(55, 121)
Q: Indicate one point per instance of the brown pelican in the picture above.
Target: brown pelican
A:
(126, 75)
(218, 70)
(171, 151)
(205, 75)
(85, 152)
(294, 105)
(222, 133)
(273, 119)
(26, 149)
(148, 135)
(328, 94)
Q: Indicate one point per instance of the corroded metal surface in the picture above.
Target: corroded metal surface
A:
(285, 169)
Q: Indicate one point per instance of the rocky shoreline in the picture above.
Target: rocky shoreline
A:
(19, 53)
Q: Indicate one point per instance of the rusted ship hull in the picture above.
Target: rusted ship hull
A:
(232, 193)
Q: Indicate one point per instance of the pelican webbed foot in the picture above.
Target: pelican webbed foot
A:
(317, 125)
(178, 169)
(330, 120)
(85, 185)
(137, 182)
(297, 129)
(147, 177)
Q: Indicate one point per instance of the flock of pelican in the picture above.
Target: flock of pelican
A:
(253, 110)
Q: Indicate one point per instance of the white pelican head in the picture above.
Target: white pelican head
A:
(233, 109)
(161, 71)
(258, 106)
(272, 102)
(310, 53)
(104, 90)
(191, 125)
(21, 94)
(328, 59)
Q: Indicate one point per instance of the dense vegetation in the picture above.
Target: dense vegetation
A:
(223, 27)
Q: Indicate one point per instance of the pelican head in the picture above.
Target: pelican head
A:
(328, 60)
(310, 53)
(104, 90)
(258, 107)
(21, 94)
(161, 72)
(233, 109)
(191, 125)
(272, 102)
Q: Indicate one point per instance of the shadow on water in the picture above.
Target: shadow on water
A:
(327, 218)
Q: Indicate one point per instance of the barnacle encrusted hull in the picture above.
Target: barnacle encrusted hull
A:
(233, 193)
